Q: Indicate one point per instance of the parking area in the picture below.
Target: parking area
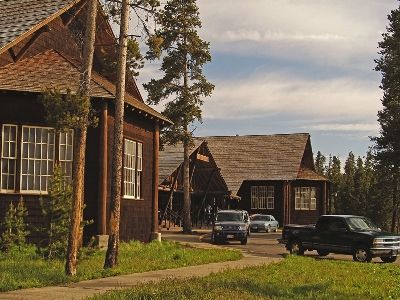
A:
(259, 244)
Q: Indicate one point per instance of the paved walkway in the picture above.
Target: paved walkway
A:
(88, 288)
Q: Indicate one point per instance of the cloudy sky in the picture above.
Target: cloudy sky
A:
(285, 66)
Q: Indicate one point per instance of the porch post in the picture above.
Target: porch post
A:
(285, 203)
(289, 202)
(102, 200)
(155, 234)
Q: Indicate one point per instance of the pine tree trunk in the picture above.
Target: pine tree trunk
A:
(74, 237)
(395, 204)
(111, 258)
(187, 222)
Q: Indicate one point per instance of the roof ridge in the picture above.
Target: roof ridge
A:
(253, 135)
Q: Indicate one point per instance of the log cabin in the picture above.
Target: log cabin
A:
(41, 44)
(270, 174)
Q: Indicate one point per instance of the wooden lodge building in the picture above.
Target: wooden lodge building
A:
(41, 44)
(269, 174)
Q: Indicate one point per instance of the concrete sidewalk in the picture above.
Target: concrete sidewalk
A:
(88, 288)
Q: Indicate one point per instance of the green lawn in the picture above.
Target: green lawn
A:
(28, 270)
(293, 278)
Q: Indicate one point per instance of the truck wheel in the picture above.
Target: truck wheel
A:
(322, 252)
(214, 240)
(296, 248)
(362, 254)
(389, 259)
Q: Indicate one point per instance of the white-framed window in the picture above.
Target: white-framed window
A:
(65, 153)
(37, 158)
(8, 157)
(133, 166)
(262, 197)
(38, 153)
(305, 198)
(139, 170)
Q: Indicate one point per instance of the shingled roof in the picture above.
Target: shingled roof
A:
(252, 157)
(19, 18)
(52, 69)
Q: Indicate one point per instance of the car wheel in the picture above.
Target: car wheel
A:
(389, 259)
(322, 252)
(296, 248)
(244, 241)
(362, 254)
(268, 230)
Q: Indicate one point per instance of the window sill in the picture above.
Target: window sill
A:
(28, 193)
(131, 198)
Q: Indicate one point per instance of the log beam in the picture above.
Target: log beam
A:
(102, 201)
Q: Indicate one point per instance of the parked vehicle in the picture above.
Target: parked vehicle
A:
(344, 234)
(265, 223)
(230, 225)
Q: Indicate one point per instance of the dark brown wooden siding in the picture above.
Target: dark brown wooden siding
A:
(296, 216)
(26, 109)
(135, 214)
(18, 108)
(245, 202)
(306, 216)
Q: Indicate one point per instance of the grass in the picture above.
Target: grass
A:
(26, 269)
(293, 278)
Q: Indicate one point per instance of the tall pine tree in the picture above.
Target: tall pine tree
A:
(320, 161)
(335, 178)
(184, 83)
(387, 144)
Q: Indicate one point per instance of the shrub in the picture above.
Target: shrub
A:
(56, 209)
(15, 228)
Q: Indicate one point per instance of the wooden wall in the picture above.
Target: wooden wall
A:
(25, 108)
(296, 216)
(245, 201)
(306, 216)
(135, 214)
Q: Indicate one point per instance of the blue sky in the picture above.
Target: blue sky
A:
(285, 66)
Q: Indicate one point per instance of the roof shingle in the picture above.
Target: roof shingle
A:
(19, 17)
(51, 69)
(254, 157)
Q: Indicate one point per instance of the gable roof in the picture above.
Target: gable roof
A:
(20, 18)
(37, 73)
(253, 157)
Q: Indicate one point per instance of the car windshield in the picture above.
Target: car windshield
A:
(261, 218)
(228, 216)
(358, 223)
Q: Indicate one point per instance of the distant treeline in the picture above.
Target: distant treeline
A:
(362, 187)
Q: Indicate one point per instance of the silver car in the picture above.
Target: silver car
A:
(265, 223)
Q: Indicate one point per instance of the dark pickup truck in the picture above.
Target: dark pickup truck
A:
(343, 234)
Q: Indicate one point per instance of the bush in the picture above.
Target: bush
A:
(56, 209)
(15, 229)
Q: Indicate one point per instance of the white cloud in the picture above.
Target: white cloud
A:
(266, 94)
(336, 32)
(242, 35)
(364, 127)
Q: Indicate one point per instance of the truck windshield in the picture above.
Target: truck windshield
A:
(226, 217)
(357, 223)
